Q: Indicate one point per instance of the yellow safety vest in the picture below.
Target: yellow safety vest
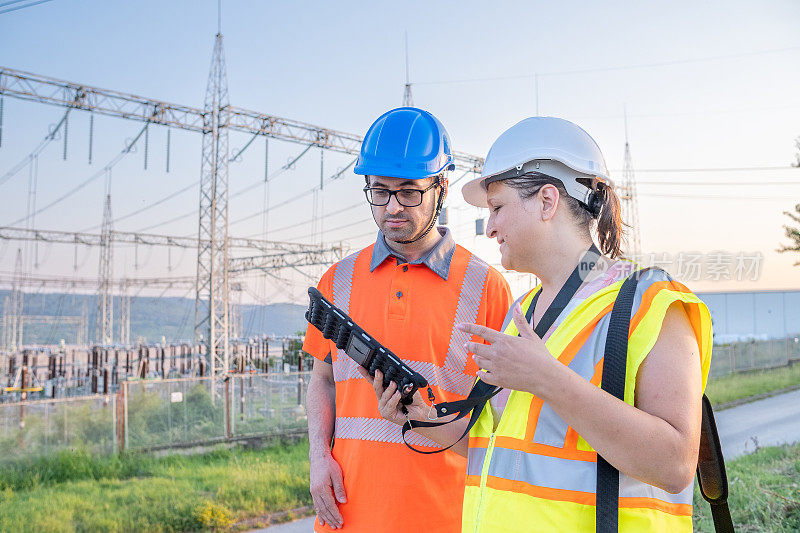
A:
(535, 473)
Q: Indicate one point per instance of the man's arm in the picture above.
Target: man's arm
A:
(326, 474)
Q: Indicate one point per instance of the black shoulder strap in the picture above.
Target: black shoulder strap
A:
(710, 466)
(615, 360)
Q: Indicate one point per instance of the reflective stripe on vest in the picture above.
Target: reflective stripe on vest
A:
(536, 454)
(451, 376)
(376, 429)
(567, 475)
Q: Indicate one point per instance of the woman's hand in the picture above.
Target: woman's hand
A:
(389, 405)
(517, 363)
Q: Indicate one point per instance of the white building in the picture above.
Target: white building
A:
(753, 315)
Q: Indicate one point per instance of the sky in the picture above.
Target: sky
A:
(709, 90)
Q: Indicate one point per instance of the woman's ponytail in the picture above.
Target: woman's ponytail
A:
(609, 220)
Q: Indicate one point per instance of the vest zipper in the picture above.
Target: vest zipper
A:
(484, 474)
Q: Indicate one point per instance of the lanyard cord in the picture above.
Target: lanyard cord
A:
(481, 392)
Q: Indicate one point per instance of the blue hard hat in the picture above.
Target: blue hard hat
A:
(405, 143)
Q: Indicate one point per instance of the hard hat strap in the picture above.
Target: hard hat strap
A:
(432, 223)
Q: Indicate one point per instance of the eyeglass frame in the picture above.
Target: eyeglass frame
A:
(394, 193)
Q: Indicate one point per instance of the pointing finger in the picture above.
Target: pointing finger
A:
(483, 332)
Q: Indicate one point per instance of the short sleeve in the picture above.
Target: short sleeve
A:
(655, 292)
(314, 343)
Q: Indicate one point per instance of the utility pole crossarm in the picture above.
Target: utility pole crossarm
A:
(36, 88)
(43, 89)
(148, 239)
(285, 260)
(67, 283)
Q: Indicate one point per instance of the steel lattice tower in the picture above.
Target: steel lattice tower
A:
(105, 300)
(125, 314)
(13, 311)
(408, 100)
(211, 302)
(630, 204)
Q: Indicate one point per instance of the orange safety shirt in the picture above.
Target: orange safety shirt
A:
(412, 310)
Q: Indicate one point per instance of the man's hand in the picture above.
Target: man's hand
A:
(327, 482)
(389, 405)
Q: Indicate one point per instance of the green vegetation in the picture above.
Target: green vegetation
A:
(764, 492)
(744, 384)
(49, 427)
(78, 491)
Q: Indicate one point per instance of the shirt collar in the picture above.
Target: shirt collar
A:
(437, 259)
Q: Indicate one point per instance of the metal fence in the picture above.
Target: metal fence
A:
(752, 355)
(182, 412)
(31, 429)
(152, 414)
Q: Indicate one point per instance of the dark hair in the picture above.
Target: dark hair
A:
(605, 208)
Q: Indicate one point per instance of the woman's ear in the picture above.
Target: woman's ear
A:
(549, 198)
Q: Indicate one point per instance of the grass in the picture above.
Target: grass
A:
(744, 384)
(764, 492)
(74, 491)
(77, 491)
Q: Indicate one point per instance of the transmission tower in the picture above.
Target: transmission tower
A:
(408, 100)
(211, 301)
(125, 314)
(630, 204)
(17, 302)
(105, 300)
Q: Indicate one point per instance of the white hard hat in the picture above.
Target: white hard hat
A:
(546, 145)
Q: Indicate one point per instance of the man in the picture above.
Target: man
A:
(408, 290)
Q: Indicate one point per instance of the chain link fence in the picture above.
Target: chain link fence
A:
(154, 414)
(43, 427)
(171, 413)
(752, 355)
(186, 412)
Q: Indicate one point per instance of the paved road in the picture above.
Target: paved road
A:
(767, 422)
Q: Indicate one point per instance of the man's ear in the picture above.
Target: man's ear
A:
(445, 184)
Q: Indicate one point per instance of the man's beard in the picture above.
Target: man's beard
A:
(406, 232)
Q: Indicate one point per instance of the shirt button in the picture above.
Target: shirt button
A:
(399, 294)
(405, 268)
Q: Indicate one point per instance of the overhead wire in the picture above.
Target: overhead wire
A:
(50, 137)
(611, 68)
(149, 206)
(92, 178)
(247, 189)
(10, 9)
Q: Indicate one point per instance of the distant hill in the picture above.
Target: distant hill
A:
(151, 318)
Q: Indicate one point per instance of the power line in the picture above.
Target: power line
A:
(717, 169)
(125, 151)
(711, 196)
(247, 189)
(149, 206)
(51, 136)
(610, 69)
(10, 9)
(327, 215)
(712, 183)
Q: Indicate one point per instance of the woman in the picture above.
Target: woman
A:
(532, 455)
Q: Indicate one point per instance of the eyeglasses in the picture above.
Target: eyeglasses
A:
(405, 197)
